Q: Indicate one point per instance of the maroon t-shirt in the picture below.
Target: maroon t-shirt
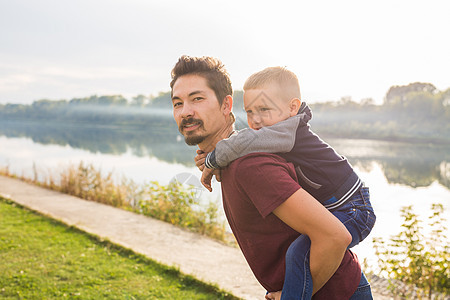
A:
(252, 187)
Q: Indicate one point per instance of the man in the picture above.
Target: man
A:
(266, 208)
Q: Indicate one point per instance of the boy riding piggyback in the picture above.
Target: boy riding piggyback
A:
(278, 122)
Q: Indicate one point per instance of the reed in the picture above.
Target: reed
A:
(86, 182)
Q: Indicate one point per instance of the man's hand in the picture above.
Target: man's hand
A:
(274, 296)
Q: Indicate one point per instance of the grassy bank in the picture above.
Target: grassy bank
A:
(44, 259)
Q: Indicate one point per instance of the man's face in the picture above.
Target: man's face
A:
(265, 107)
(196, 110)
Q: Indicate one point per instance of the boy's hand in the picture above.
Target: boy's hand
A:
(207, 175)
(200, 159)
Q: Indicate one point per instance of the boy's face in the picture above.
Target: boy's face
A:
(265, 107)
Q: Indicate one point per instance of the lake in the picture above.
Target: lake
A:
(398, 174)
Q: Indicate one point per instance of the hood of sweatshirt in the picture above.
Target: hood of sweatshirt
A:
(305, 113)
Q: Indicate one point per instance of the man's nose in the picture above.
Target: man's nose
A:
(187, 111)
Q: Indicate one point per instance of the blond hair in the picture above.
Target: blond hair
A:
(285, 79)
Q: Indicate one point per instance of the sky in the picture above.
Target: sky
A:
(61, 49)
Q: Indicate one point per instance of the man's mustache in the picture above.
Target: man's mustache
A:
(189, 121)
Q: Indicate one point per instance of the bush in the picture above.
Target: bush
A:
(412, 258)
(178, 205)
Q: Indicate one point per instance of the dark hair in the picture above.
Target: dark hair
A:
(210, 68)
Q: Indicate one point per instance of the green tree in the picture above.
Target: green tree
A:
(398, 93)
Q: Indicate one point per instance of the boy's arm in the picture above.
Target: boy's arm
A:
(278, 138)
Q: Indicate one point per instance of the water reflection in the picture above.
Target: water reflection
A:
(161, 140)
(403, 163)
(415, 165)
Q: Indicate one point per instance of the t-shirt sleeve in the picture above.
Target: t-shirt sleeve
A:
(267, 179)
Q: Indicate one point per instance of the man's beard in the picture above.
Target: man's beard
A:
(192, 139)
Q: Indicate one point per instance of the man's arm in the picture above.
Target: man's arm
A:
(278, 138)
(329, 237)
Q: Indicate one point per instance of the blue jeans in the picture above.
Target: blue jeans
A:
(363, 291)
(358, 217)
(298, 282)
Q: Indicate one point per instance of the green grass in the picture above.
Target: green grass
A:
(43, 259)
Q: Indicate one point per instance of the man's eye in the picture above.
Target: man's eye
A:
(248, 112)
(265, 109)
(198, 98)
(177, 104)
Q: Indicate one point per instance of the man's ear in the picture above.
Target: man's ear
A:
(227, 104)
(294, 106)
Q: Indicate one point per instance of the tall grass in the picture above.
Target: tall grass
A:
(88, 183)
(173, 203)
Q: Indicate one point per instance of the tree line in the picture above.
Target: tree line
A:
(413, 112)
